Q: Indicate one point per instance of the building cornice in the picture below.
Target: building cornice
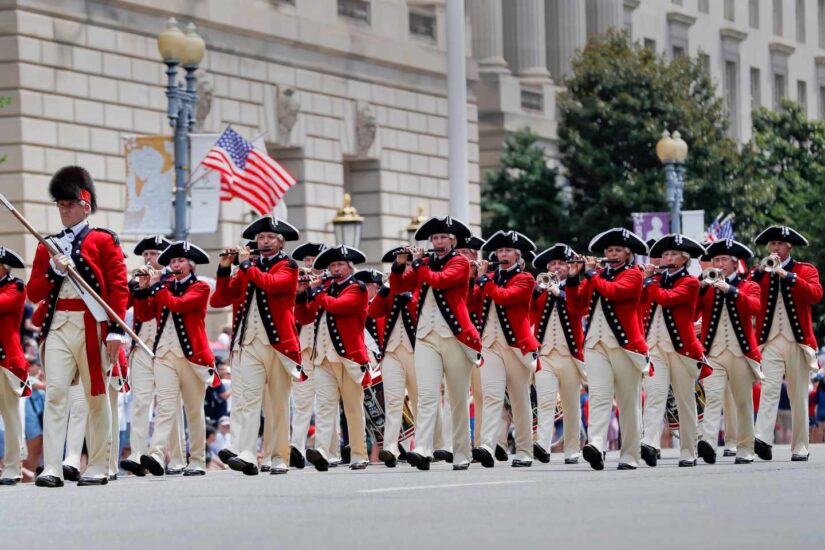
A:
(732, 34)
(781, 48)
(680, 17)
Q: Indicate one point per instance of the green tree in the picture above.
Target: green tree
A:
(522, 193)
(619, 98)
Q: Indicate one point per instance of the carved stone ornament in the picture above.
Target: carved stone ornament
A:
(287, 110)
(365, 128)
(205, 92)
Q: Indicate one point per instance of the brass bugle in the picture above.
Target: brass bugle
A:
(253, 251)
(712, 274)
(768, 264)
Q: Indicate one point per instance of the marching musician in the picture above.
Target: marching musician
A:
(142, 377)
(447, 344)
(510, 349)
(557, 323)
(675, 351)
(15, 382)
(77, 337)
(615, 352)
(270, 355)
(374, 336)
(788, 290)
(728, 305)
(184, 363)
(340, 356)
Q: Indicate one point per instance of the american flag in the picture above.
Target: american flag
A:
(248, 173)
(721, 228)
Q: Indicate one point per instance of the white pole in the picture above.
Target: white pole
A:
(457, 111)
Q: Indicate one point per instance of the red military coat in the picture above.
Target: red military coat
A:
(390, 307)
(345, 304)
(677, 296)
(12, 302)
(570, 313)
(448, 279)
(272, 282)
(511, 292)
(619, 291)
(800, 290)
(98, 259)
(742, 302)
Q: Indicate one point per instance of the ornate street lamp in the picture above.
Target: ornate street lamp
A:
(347, 224)
(672, 152)
(415, 223)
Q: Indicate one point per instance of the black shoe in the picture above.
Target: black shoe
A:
(152, 465)
(133, 467)
(419, 461)
(461, 467)
(649, 455)
(740, 460)
(484, 457)
(48, 481)
(728, 452)
(441, 454)
(799, 458)
(191, 472)
(540, 454)
(402, 454)
(296, 459)
(360, 465)
(687, 463)
(225, 455)
(519, 463)
(317, 459)
(387, 458)
(574, 460)
(240, 465)
(89, 481)
(625, 466)
(112, 477)
(762, 449)
(8, 481)
(173, 471)
(501, 454)
(70, 473)
(346, 454)
(706, 451)
(264, 468)
(592, 455)
(277, 470)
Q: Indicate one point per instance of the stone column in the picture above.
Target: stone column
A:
(603, 15)
(566, 33)
(488, 35)
(524, 40)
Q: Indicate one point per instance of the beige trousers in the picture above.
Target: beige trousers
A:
(436, 358)
(781, 357)
(398, 374)
(671, 369)
(559, 375)
(731, 374)
(303, 405)
(78, 425)
(175, 379)
(478, 406)
(333, 382)
(612, 371)
(729, 412)
(260, 369)
(65, 359)
(503, 371)
(10, 410)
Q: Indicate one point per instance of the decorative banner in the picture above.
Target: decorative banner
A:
(651, 225)
(150, 168)
(205, 187)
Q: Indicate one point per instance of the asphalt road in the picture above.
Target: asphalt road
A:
(776, 504)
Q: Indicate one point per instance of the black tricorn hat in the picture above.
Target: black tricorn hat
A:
(676, 241)
(472, 242)
(508, 239)
(310, 249)
(341, 253)
(271, 224)
(781, 233)
(618, 236)
(558, 251)
(183, 249)
(446, 224)
(728, 247)
(369, 276)
(155, 242)
(73, 183)
(389, 255)
(10, 258)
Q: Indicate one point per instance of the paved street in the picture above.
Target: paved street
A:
(764, 505)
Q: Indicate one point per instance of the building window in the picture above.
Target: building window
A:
(678, 51)
(800, 20)
(756, 88)
(777, 17)
(822, 103)
(650, 44)
(730, 11)
(820, 17)
(802, 95)
(732, 96)
(704, 61)
(423, 24)
(704, 6)
(533, 101)
(779, 91)
(628, 20)
(753, 13)
(358, 10)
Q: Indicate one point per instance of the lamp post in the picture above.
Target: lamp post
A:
(186, 50)
(347, 224)
(672, 152)
(415, 223)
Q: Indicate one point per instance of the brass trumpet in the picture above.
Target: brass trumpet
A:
(769, 264)
(712, 275)
(546, 280)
